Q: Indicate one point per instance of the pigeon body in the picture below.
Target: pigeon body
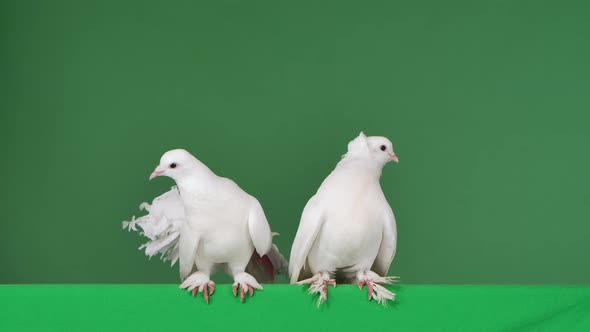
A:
(347, 228)
(208, 223)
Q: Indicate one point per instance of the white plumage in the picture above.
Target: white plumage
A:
(347, 229)
(207, 223)
(161, 225)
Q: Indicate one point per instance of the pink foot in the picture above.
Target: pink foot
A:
(370, 287)
(375, 287)
(318, 283)
(326, 283)
(244, 283)
(208, 289)
(242, 291)
(199, 282)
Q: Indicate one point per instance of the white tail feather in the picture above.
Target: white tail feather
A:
(161, 225)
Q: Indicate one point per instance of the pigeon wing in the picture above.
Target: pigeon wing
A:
(187, 245)
(266, 261)
(259, 228)
(388, 243)
(311, 222)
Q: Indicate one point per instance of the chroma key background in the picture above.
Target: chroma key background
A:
(486, 103)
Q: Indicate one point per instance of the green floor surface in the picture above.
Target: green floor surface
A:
(290, 308)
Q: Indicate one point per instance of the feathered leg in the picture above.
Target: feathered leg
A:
(318, 283)
(374, 283)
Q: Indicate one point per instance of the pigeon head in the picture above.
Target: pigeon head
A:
(175, 164)
(377, 148)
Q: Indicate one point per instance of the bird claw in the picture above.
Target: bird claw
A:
(242, 290)
(244, 283)
(370, 287)
(375, 289)
(207, 290)
(199, 283)
(318, 283)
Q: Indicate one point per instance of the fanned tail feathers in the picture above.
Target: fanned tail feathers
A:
(161, 225)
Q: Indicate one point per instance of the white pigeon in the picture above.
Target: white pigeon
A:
(208, 223)
(347, 230)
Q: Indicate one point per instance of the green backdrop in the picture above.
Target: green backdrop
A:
(486, 103)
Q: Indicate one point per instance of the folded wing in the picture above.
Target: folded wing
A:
(311, 222)
(388, 243)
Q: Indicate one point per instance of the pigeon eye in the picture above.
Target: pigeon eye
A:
(173, 165)
(383, 147)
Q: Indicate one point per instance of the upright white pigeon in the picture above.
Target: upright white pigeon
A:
(347, 230)
(209, 223)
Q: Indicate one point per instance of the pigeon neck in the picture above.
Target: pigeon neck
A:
(368, 166)
(199, 180)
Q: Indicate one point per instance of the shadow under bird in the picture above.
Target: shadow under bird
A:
(347, 231)
(208, 222)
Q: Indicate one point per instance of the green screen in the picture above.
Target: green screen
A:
(486, 103)
(289, 308)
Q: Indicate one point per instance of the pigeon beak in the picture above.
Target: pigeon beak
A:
(157, 172)
(393, 157)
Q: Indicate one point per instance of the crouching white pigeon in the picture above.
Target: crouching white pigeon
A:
(208, 223)
(347, 231)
